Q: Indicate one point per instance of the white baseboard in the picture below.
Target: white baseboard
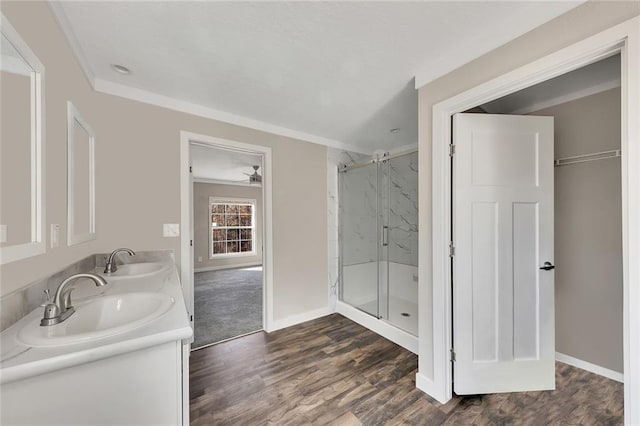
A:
(592, 368)
(218, 268)
(429, 387)
(386, 330)
(299, 319)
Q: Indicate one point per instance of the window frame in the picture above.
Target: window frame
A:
(254, 227)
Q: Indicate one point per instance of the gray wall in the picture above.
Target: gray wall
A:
(201, 228)
(588, 231)
(583, 21)
(138, 175)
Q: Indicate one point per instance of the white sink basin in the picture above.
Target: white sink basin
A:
(135, 270)
(98, 318)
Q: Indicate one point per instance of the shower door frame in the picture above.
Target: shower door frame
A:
(374, 163)
(375, 323)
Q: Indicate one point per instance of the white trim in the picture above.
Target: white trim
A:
(37, 243)
(429, 387)
(175, 104)
(468, 52)
(152, 98)
(578, 94)
(233, 200)
(623, 38)
(299, 318)
(378, 326)
(221, 267)
(592, 368)
(73, 117)
(14, 65)
(186, 216)
(226, 182)
(65, 26)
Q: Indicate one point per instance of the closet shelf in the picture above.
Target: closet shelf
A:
(587, 157)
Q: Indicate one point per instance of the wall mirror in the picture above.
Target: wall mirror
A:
(21, 148)
(81, 223)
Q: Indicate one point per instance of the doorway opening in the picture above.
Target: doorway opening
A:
(227, 244)
(504, 222)
(620, 39)
(225, 266)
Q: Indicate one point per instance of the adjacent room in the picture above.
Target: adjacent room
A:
(331, 213)
(227, 245)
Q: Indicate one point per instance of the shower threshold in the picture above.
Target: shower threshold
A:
(380, 326)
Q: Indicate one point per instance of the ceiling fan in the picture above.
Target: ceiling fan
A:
(255, 177)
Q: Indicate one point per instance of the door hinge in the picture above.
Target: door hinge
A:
(452, 249)
(191, 243)
(452, 149)
(191, 318)
(453, 355)
(190, 169)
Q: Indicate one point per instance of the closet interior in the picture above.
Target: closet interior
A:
(586, 107)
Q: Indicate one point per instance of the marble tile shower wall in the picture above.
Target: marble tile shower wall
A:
(403, 209)
(359, 198)
(398, 196)
(16, 305)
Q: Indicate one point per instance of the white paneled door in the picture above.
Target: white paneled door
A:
(503, 294)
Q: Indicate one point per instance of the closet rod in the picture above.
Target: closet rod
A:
(587, 157)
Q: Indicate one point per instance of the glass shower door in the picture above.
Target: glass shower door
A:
(359, 234)
(400, 256)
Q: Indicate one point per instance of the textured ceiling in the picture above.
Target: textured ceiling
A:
(222, 165)
(342, 71)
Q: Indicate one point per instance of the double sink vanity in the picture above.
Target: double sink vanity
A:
(106, 339)
(115, 349)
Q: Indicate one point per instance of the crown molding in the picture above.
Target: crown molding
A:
(527, 20)
(175, 104)
(152, 98)
(65, 26)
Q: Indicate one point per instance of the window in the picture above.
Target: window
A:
(233, 227)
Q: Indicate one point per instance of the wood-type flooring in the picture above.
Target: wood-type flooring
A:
(332, 371)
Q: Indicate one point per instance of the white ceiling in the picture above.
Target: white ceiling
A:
(597, 77)
(221, 165)
(339, 73)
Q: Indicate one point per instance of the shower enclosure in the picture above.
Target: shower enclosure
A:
(379, 239)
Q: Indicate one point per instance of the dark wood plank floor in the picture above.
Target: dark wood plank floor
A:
(332, 371)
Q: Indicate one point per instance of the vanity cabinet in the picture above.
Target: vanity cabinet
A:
(142, 387)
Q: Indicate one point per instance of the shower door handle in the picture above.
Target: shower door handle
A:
(385, 235)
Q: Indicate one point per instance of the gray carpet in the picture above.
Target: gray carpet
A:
(228, 303)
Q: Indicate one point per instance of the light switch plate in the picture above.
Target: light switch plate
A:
(3, 233)
(55, 235)
(171, 230)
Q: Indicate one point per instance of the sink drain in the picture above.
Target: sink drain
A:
(405, 314)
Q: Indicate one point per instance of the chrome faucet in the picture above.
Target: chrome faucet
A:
(61, 308)
(111, 267)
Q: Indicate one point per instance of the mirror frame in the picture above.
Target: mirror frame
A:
(73, 117)
(37, 245)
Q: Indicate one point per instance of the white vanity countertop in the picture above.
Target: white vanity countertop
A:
(20, 361)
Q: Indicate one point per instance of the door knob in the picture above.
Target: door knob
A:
(547, 266)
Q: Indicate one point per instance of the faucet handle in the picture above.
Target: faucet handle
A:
(47, 299)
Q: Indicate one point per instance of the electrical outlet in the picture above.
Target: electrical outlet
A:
(55, 235)
(171, 230)
(3, 233)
